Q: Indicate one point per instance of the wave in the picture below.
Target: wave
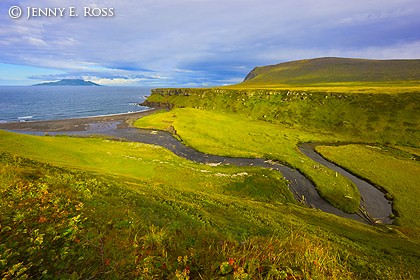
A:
(30, 104)
(117, 114)
(25, 118)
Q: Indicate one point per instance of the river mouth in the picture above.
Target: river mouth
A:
(374, 207)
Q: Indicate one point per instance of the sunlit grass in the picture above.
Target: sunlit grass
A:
(232, 135)
(412, 150)
(379, 117)
(133, 160)
(348, 87)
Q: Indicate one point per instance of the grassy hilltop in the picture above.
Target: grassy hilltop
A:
(330, 70)
(80, 208)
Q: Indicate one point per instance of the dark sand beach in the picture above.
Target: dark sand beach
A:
(77, 124)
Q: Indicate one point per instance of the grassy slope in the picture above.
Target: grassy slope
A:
(385, 167)
(231, 135)
(132, 160)
(414, 151)
(335, 70)
(130, 218)
(381, 117)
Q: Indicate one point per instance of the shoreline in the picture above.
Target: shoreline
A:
(122, 120)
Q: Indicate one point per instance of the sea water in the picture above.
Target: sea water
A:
(32, 103)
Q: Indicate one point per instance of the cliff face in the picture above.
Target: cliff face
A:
(384, 118)
(251, 74)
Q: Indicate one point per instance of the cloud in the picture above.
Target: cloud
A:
(114, 81)
(204, 41)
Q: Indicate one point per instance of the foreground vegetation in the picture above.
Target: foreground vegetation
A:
(107, 209)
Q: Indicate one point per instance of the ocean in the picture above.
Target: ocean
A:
(33, 103)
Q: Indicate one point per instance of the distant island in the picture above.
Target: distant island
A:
(69, 82)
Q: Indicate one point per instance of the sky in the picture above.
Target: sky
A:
(193, 43)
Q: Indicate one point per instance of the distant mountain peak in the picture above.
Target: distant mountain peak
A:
(69, 82)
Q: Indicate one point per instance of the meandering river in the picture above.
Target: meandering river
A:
(374, 203)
